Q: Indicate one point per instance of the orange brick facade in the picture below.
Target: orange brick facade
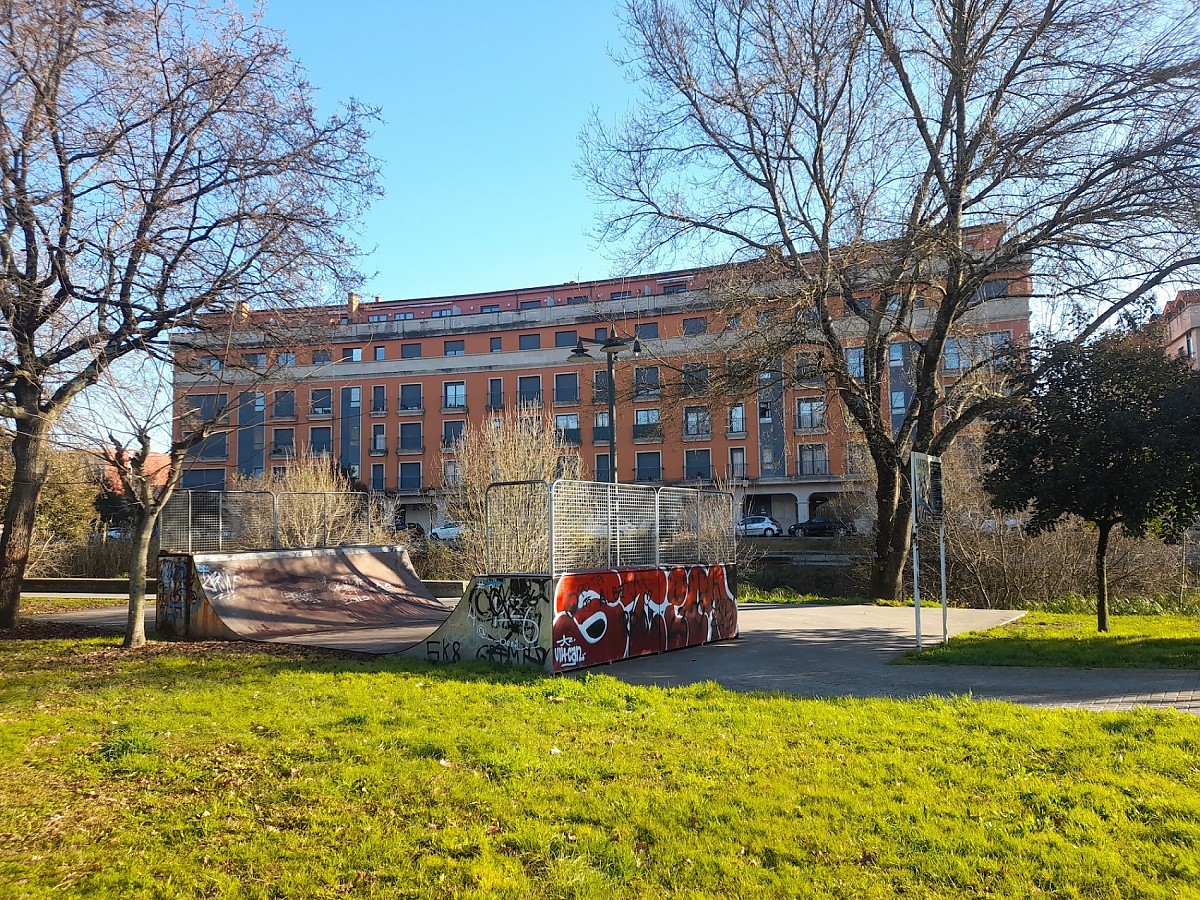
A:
(397, 379)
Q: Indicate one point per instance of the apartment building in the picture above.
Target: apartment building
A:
(390, 385)
(1182, 319)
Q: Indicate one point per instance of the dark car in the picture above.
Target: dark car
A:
(821, 528)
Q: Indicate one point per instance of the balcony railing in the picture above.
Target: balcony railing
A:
(410, 408)
(283, 450)
(532, 397)
(648, 473)
(321, 412)
(453, 404)
(601, 434)
(568, 396)
(568, 436)
(408, 448)
(409, 485)
(705, 435)
(378, 448)
(647, 432)
(378, 410)
(495, 400)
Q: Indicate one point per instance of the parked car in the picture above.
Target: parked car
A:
(822, 528)
(602, 528)
(753, 526)
(447, 531)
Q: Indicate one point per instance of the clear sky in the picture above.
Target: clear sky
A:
(483, 103)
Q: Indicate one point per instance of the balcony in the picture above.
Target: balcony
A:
(495, 401)
(409, 485)
(568, 436)
(647, 434)
(410, 409)
(705, 435)
(283, 451)
(601, 434)
(378, 448)
(410, 449)
(530, 398)
(568, 397)
(648, 473)
(451, 405)
(321, 412)
(377, 411)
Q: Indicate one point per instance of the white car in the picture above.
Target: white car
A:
(447, 531)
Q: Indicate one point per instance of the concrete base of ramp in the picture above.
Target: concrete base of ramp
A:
(295, 595)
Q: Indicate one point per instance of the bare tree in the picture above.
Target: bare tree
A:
(888, 166)
(158, 158)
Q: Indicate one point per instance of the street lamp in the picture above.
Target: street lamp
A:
(611, 346)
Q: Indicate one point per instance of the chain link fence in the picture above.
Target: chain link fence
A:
(208, 521)
(577, 525)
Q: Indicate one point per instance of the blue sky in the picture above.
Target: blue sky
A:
(483, 104)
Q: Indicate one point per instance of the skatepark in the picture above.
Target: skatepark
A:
(570, 583)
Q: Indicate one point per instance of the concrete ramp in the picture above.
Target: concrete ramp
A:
(323, 597)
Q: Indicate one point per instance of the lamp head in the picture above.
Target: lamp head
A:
(580, 352)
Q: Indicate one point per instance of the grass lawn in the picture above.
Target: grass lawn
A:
(36, 606)
(207, 770)
(1055, 639)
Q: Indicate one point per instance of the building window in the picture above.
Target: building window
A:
(810, 413)
(620, 295)
(287, 360)
(410, 397)
(495, 393)
(600, 334)
(530, 304)
(321, 402)
(451, 473)
(380, 317)
(765, 413)
(452, 432)
(679, 287)
(812, 459)
(578, 298)
(566, 387)
(529, 342)
(454, 395)
(320, 440)
(854, 362)
(455, 348)
(352, 354)
(600, 428)
(600, 385)
(529, 389)
(496, 345)
(410, 476)
(695, 381)
(603, 470)
(322, 357)
(697, 464)
(696, 325)
(378, 439)
(213, 447)
(646, 330)
(737, 462)
(410, 351)
(646, 425)
(737, 419)
(990, 290)
(380, 354)
(401, 316)
(566, 338)
(445, 313)
(283, 405)
(377, 476)
(645, 382)
(352, 397)
(411, 438)
(490, 308)
(696, 422)
(858, 458)
(649, 466)
(254, 360)
(210, 363)
(379, 399)
(566, 428)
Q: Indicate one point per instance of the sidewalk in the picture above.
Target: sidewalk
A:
(845, 651)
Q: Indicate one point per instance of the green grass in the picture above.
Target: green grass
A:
(1071, 640)
(240, 771)
(751, 594)
(36, 606)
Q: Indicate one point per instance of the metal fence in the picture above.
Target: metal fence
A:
(532, 526)
(206, 521)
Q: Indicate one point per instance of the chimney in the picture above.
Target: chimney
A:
(243, 311)
(352, 302)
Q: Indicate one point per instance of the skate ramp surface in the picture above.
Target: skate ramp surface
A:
(323, 597)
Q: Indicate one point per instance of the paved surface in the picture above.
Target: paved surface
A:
(845, 651)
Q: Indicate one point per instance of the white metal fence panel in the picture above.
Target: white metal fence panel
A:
(577, 525)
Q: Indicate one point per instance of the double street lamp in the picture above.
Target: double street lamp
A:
(612, 347)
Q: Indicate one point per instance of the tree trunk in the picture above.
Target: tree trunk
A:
(135, 624)
(1102, 576)
(31, 465)
(893, 538)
